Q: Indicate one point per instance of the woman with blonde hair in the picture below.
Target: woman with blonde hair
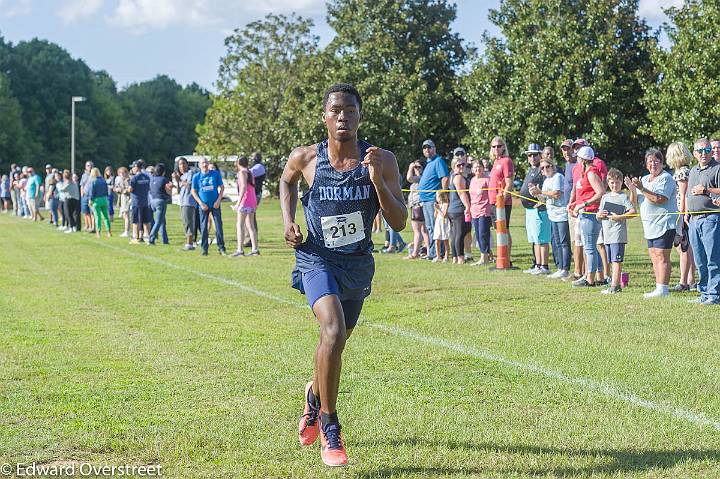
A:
(98, 201)
(502, 172)
(122, 188)
(678, 158)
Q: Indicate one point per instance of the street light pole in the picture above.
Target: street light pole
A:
(72, 132)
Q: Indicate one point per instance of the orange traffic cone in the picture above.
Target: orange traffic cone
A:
(502, 258)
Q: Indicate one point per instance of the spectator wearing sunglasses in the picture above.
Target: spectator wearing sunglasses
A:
(703, 193)
(537, 223)
(502, 171)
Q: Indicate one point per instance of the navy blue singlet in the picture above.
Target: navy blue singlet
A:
(339, 207)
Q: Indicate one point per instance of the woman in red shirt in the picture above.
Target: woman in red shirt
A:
(503, 171)
(588, 192)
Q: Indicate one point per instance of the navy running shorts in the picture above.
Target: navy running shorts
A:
(318, 283)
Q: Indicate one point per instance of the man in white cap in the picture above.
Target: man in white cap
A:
(577, 172)
(537, 223)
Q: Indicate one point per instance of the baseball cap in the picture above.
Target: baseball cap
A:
(428, 143)
(586, 152)
(581, 142)
(459, 151)
(568, 142)
(48, 166)
(533, 148)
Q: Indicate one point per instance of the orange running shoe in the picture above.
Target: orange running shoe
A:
(309, 426)
(332, 449)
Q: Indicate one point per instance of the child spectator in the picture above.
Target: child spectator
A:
(615, 208)
(441, 229)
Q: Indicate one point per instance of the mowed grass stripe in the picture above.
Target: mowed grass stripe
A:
(409, 410)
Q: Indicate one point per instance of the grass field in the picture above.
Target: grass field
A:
(117, 354)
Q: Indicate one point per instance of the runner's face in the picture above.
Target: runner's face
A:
(204, 166)
(342, 116)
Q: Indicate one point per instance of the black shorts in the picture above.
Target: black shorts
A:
(663, 242)
(141, 215)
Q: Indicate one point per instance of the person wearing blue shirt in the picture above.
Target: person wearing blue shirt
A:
(140, 211)
(435, 176)
(208, 190)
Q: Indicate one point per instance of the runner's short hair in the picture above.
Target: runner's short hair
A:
(342, 88)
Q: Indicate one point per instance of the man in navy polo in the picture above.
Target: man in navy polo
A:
(435, 176)
(140, 211)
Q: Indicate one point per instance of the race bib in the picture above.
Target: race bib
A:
(342, 230)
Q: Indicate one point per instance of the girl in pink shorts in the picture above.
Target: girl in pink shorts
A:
(245, 208)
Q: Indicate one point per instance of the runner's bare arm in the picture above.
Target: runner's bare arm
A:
(385, 176)
(293, 171)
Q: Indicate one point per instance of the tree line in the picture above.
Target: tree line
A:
(154, 120)
(560, 68)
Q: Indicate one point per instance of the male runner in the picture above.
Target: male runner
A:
(349, 181)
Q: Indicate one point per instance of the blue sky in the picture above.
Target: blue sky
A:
(135, 40)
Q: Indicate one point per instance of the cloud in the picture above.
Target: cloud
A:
(652, 10)
(15, 9)
(75, 10)
(142, 15)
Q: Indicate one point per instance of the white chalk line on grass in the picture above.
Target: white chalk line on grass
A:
(599, 387)
(596, 386)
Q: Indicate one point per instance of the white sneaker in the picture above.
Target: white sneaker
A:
(563, 274)
(531, 270)
(555, 275)
(540, 271)
(68, 230)
(124, 234)
(655, 294)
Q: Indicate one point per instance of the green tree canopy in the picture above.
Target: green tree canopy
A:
(163, 116)
(564, 68)
(681, 98)
(270, 92)
(154, 119)
(404, 59)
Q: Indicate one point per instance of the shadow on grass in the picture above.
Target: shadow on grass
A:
(620, 460)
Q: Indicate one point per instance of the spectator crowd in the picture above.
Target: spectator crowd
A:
(140, 195)
(577, 212)
(576, 209)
